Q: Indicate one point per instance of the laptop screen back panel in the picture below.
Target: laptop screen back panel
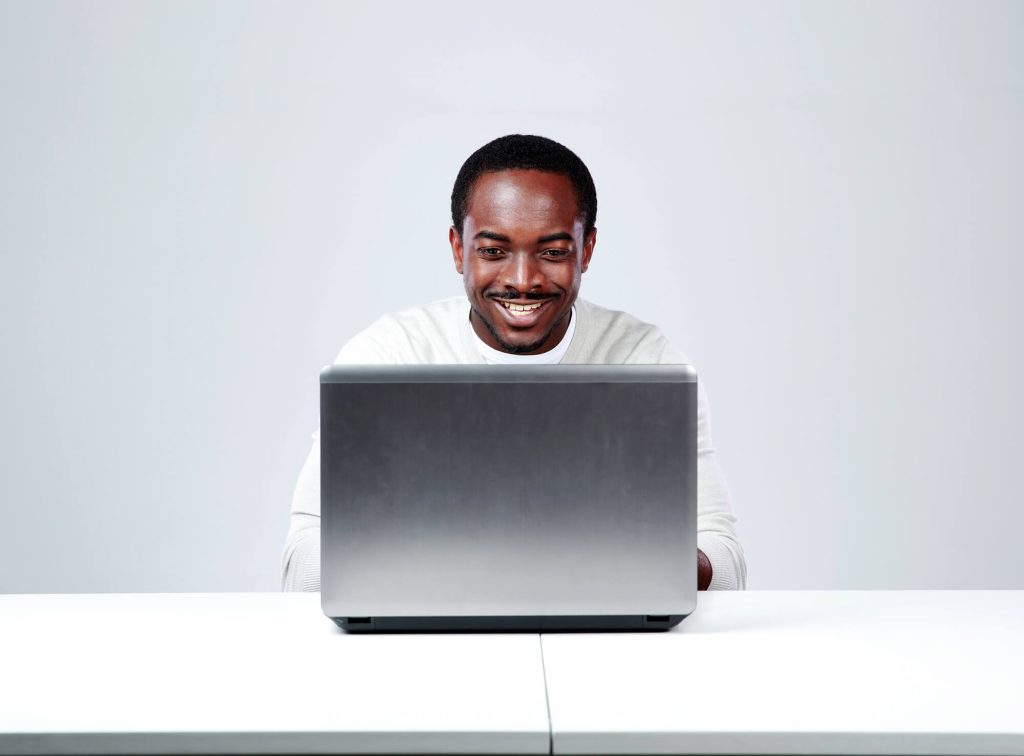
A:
(475, 491)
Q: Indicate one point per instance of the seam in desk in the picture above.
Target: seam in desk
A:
(547, 700)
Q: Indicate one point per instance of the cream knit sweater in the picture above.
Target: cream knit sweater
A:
(438, 334)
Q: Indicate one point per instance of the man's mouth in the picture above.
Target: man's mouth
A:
(514, 307)
(522, 313)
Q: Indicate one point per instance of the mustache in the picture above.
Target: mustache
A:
(516, 294)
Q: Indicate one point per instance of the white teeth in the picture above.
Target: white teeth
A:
(521, 308)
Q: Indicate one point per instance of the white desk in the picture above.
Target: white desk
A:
(756, 672)
(256, 673)
(800, 672)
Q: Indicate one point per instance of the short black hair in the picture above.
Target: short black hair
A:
(525, 152)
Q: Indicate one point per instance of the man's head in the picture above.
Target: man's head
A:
(523, 212)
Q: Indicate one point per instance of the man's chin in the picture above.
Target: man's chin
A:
(517, 342)
(521, 342)
(523, 348)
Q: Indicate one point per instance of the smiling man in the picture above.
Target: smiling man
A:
(522, 235)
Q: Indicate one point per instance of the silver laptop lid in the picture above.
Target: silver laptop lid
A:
(497, 491)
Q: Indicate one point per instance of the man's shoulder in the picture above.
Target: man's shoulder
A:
(436, 320)
(442, 312)
(607, 318)
(615, 336)
(425, 334)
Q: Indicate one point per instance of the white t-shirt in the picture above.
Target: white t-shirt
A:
(440, 334)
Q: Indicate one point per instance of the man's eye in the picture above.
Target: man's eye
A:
(557, 252)
(490, 251)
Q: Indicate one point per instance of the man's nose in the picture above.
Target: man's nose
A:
(523, 272)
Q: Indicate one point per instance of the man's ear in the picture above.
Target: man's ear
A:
(456, 241)
(588, 250)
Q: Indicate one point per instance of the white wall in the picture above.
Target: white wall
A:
(819, 202)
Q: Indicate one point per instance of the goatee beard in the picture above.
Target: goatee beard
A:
(513, 348)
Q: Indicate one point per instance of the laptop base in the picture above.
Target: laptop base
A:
(566, 623)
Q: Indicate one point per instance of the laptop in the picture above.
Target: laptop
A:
(492, 497)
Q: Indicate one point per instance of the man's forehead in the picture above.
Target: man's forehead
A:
(522, 198)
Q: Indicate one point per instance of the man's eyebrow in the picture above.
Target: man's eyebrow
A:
(560, 236)
(492, 236)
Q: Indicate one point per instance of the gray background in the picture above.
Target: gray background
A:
(819, 202)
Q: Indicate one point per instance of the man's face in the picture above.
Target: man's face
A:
(521, 254)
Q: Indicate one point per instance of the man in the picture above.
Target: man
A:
(522, 235)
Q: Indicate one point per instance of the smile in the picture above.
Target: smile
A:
(522, 315)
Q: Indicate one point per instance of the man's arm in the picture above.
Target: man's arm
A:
(720, 561)
(716, 531)
(300, 566)
(301, 562)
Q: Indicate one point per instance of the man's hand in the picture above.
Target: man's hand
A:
(703, 571)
